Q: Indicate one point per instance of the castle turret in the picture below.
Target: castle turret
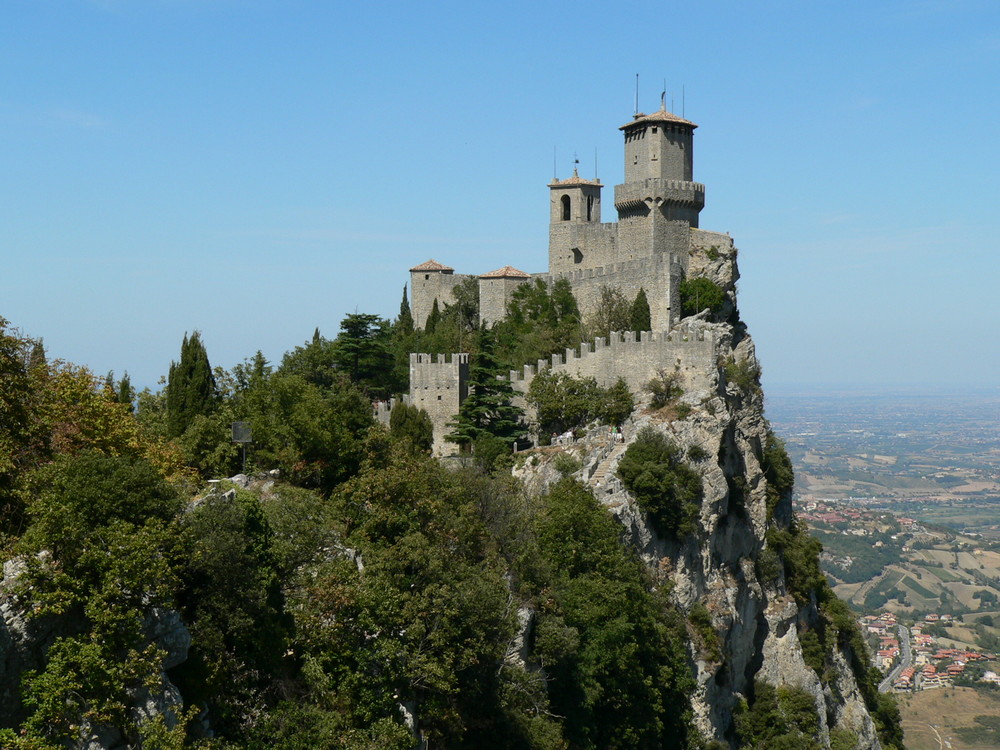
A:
(495, 291)
(574, 218)
(659, 170)
(428, 282)
(575, 200)
(658, 146)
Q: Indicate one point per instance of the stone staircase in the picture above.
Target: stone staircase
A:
(599, 475)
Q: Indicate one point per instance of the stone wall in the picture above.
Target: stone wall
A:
(691, 350)
(427, 286)
(438, 385)
(658, 275)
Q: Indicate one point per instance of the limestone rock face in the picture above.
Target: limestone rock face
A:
(755, 618)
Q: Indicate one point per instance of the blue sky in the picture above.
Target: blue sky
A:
(257, 168)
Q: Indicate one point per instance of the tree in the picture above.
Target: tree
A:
(433, 318)
(190, 386)
(541, 319)
(613, 313)
(404, 323)
(18, 440)
(362, 351)
(653, 470)
(412, 424)
(487, 409)
(700, 293)
(611, 647)
(104, 521)
(316, 361)
(640, 316)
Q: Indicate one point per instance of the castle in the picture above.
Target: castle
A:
(652, 246)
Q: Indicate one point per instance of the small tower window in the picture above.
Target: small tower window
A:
(565, 208)
(590, 208)
(577, 255)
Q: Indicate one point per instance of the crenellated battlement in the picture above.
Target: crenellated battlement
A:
(691, 349)
(652, 247)
(439, 383)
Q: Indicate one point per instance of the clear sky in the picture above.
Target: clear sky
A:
(257, 168)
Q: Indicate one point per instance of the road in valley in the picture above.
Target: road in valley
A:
(905, 659)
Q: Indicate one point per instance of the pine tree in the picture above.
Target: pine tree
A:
(404, 323)
(487, 410)
(37, 362)
(433, 318)
(640, 313)
(126, 393)
(190, 386)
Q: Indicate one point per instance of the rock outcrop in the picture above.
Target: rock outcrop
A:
(723, 431)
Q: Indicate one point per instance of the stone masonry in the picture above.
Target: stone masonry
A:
(648, 247)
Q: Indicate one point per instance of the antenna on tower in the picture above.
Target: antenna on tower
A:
(576, 163)
(636, 95)
(663, 95)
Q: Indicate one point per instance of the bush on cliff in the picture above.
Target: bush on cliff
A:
(654, 471)
(700, 293)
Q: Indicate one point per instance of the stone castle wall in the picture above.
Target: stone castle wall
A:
(658, 275)
(427, 286)
(692, 351)
(438, 385)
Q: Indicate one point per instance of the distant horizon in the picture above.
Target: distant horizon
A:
(789, 389)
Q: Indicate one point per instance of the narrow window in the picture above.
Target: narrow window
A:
(577, 255)
(590, 208)
(565, 208)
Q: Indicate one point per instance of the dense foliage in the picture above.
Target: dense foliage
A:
(654, 471)
(563, 402)
(700, 293)
(487, 410)
(358, 595)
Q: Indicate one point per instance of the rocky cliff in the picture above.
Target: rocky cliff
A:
(738, 565)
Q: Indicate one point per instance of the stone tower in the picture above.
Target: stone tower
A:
(658, 202)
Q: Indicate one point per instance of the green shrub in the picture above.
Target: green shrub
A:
(666, 488)
(777, 470)
(744, 374)
(664, 389)
(706, 639)
(565, 403)
(566, 464)
(700, 293)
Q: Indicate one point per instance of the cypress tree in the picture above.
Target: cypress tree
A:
(433, 318)
(37, 361)
(404, 323)
(640, 313)
(126, 393)
(190, 386)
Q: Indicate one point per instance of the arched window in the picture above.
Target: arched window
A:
(565, 208)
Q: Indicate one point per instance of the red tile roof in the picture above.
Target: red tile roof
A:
(661, 116)
(507, 272)
(432, 265)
